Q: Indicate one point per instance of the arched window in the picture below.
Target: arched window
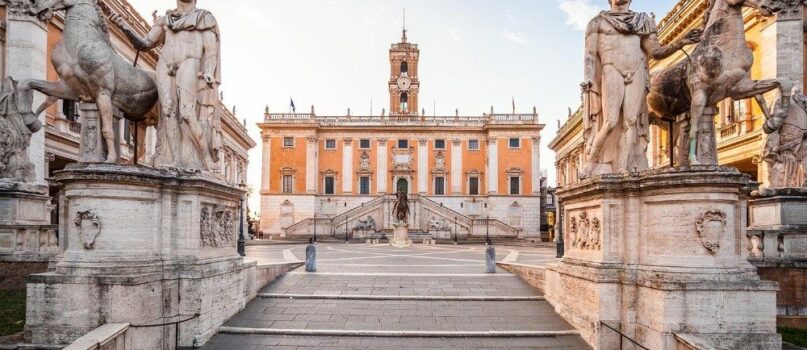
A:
(404, 102)
(404, 68)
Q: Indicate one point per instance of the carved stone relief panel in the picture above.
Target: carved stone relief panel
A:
(217, 226)
(584, 232)
(88, 226)
(711, 226)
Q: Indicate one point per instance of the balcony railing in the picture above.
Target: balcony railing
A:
(729, 130)
(457, 120)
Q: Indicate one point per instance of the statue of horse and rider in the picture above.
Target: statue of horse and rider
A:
(717, 69)
(401, 208)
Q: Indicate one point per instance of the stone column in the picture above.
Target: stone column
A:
(266, 164)
(311, 161)
(493, 167)
(456, 166)
(536, 165)
(381, 166)
(347, 167)
(26, 58)
(423, 166)
(783, 50)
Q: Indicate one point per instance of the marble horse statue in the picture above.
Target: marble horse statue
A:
(90, 70)
(785, 150)
(717, 69)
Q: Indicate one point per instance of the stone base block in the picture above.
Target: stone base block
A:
(401, 236)
(144, 247)
(659, 257)
(26, 234)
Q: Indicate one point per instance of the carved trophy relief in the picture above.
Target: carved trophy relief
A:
(88, 225)
(711, 226)
(217, 226)
(584, 232)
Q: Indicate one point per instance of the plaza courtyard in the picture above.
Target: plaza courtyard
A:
(381, 297)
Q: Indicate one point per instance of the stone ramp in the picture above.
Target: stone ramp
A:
(430, 306)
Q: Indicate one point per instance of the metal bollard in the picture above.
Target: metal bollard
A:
(310, 256)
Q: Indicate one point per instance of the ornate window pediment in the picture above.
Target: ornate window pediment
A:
(287, 171)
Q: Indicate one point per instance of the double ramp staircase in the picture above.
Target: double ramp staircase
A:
(423, 210)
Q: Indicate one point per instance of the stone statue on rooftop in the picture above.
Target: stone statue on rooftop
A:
(619, 43)
(188, 79)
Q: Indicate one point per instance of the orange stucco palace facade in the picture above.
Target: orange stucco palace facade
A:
(465, 175)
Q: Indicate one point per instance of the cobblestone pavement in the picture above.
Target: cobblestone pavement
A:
(372, 297)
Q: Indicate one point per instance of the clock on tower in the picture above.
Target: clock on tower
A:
(404, 84)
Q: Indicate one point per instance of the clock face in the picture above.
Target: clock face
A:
(404, 83)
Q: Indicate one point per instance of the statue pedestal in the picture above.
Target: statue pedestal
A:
(659, 256)
(26, 234)
(144, 247)
(777, 246)
(401, 236)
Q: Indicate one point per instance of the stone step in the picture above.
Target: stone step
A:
(399, 297)
(399, 315)
(265, 342)
(499, 284)
(396, 334)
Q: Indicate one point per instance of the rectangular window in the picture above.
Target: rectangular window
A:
(403, 144)
(515, 185)
(550, 199)
(330, 144)
(364, 185)
(288, 142)
(439, 144)
(515, 143)
(288, 184)
(473, 145)
(439, 186)
(329, 185)
(364, 144)
(473, 186)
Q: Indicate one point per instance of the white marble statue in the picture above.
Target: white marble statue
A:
(619, 43)
(188, 78)
(15, 137)
(785, 151)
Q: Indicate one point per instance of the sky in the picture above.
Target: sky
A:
(333, 54)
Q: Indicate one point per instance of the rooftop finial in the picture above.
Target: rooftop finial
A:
(403, 39)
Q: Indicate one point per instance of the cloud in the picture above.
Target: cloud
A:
(515, 38)
(578, 12)
(454, 33)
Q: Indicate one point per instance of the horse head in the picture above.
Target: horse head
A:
(44, 9)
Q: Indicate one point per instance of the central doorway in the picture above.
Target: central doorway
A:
(402, 185)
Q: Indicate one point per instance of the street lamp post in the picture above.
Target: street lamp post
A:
(455, 230)
(241, 241)
(560, 248)
(487, 230)
(315, 228)
(347, 220)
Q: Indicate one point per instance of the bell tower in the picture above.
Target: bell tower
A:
(404, 84)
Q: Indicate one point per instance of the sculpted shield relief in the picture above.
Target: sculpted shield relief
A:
(711, 226)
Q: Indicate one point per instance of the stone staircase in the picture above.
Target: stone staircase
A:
(423, 209)
(408, 300)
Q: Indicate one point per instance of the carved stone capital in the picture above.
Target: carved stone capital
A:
(492, 140)
(266, 138)
(348, 141)
(312, 139)
(382, 142)
(422, 142)
(456, 142)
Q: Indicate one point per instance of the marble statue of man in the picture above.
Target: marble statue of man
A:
(619, 43)
(188, 77)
